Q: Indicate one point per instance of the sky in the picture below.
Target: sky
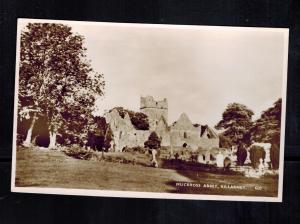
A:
(200, 70)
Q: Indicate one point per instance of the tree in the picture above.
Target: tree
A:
(153, 141)
(138, 119)
(224, 142)
(256, 153)
(241, 155)
(268, 125)
(55, 78)
(275, 151)
(100, 135)
(236, 121)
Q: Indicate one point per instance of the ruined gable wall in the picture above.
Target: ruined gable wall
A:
(165, 137)
(179, 137)
(207, 143)
(120, 128)
(125, 134)
(133, 138)
(184, 132)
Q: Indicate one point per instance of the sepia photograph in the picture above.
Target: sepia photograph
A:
(149, 110)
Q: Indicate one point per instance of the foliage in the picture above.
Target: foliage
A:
(134, 149)
(224, 142)
(138, 119)
(78, 152)
(153, 141)
(256, 153)
(55, 78)
(241, 155)
(275, 151)
(236, 121)
(268, 125)
(274, 155)
(100, 135)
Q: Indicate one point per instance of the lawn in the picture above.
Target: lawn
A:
(44, 168)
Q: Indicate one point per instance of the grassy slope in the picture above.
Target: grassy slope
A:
(54, 169)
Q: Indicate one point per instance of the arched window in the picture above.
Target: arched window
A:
(120, 134)
(184, 135)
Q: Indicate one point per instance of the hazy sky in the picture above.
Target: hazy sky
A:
(199, 70)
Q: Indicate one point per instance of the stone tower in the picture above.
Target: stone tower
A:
(155, 110)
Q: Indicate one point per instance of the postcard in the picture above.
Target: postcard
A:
(149, 110)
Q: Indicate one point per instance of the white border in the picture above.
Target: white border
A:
(134, 194)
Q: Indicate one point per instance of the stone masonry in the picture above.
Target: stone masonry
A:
(182, 133)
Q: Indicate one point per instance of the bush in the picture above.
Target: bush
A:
(79, 152)
(241, 155)
(134, 149)
(256, 152)
(153, 141)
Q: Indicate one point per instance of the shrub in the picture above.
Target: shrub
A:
(138, 149)
(153, 141)
(78, 152)
(256, 152)
(134, 149)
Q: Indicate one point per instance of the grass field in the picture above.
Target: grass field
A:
(44, 168)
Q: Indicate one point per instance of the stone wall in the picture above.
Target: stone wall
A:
(179, 137)
(182, 132)
(133, 138)
(149, 101)
(207, 143)
(155, 110)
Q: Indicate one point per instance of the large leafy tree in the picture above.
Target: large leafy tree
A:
(236, 122)
(55, 77)
(268, 125)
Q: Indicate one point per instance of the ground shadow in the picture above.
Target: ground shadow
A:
(208, 179)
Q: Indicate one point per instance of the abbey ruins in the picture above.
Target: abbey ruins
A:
(182, 133)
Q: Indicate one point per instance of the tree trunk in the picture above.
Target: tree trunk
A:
(52, 135)
(27, 141)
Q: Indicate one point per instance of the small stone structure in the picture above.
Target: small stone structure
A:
(182, 133)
